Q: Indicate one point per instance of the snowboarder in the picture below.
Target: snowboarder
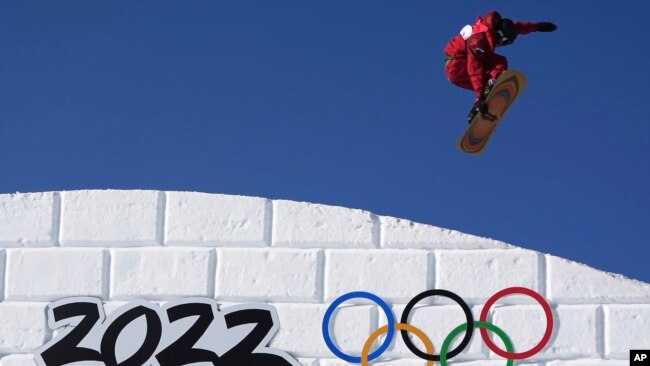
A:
(470, 58)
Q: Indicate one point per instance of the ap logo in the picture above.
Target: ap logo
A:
(639, 357)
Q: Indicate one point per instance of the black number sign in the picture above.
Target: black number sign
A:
(155, 343)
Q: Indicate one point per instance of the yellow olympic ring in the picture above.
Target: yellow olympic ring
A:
(398, 326)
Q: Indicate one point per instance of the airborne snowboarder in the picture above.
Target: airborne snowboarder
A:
(470, 58)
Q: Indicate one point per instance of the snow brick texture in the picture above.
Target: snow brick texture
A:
(125, 245)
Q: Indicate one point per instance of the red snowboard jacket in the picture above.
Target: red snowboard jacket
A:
(477, 43)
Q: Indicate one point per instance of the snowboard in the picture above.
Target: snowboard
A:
(505, 91)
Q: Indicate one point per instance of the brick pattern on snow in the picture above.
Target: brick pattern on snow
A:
(124, 245)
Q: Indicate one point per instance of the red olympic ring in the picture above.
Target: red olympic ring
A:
(547, 312)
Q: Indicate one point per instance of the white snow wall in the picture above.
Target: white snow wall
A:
(125, 245)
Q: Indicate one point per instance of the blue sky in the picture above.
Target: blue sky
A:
(338, 102)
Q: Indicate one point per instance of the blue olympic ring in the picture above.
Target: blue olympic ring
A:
(339, 301)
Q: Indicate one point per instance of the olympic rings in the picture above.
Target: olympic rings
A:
(468, 316)
(339, 301)
(403, 327)
(547, 333)
(450, 338)
(468, 327)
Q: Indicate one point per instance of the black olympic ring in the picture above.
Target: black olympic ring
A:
(459, 301)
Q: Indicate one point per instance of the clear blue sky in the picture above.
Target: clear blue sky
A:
(342, 103)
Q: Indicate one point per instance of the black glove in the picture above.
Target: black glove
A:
(546, 27)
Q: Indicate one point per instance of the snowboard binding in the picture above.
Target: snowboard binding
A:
(479, 107)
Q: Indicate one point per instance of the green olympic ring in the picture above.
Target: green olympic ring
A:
(461, 328)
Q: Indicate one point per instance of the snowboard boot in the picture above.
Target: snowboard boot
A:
(479, 106)
(488, 87)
